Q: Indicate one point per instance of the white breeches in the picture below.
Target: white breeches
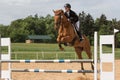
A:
(77, 25)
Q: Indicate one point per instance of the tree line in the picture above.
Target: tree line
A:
(20, 29)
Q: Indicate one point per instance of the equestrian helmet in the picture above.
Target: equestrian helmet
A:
(67, 5)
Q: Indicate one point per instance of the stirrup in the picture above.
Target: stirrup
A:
(81, 39)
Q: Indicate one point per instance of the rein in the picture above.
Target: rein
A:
(60, 17)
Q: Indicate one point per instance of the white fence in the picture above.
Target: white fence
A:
(56, 55)
(43, 54)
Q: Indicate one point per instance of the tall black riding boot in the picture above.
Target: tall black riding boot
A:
(80, 35)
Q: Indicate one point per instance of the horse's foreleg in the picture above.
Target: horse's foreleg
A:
(59, 43)
(59, 39)
(60, 47)
(66, 39)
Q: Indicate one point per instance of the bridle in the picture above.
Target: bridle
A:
(58, 23)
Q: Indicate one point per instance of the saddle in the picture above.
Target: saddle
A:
(77, 32)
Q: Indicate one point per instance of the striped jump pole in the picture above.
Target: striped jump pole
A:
(49, 61)
(53, 71)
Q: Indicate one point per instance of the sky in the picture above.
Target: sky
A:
(16, 9)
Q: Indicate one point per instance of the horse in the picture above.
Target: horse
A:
(67, 34)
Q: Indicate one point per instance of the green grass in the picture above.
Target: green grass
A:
(36, 47)
(27, 51)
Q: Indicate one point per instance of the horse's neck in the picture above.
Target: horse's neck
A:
(65, 21)
(67, 24)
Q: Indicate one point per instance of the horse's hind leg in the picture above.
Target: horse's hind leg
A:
(89, 54)
(79, 51)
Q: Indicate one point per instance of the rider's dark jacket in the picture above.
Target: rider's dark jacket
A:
(72, 16)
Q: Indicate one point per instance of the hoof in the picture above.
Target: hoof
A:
(62, 49)
(92, 67)
(82, 68)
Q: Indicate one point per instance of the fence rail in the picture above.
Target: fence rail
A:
(44, 55)
(50, 61)
(47, 55)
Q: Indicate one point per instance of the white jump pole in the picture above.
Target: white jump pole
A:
(95, 55)
(0, 57)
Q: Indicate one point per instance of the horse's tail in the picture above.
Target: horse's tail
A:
(85, 38)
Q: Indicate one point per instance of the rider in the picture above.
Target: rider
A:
(73, 18)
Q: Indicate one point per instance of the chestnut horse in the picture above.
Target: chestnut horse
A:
(67, 34)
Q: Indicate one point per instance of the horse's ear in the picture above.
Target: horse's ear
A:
(53, 11)
(62, 11)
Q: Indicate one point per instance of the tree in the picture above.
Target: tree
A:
(116, 25)
(19, 29)
(49, 22)
(3, 30)
(105, 26)
(87, 25)
(31, 25)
